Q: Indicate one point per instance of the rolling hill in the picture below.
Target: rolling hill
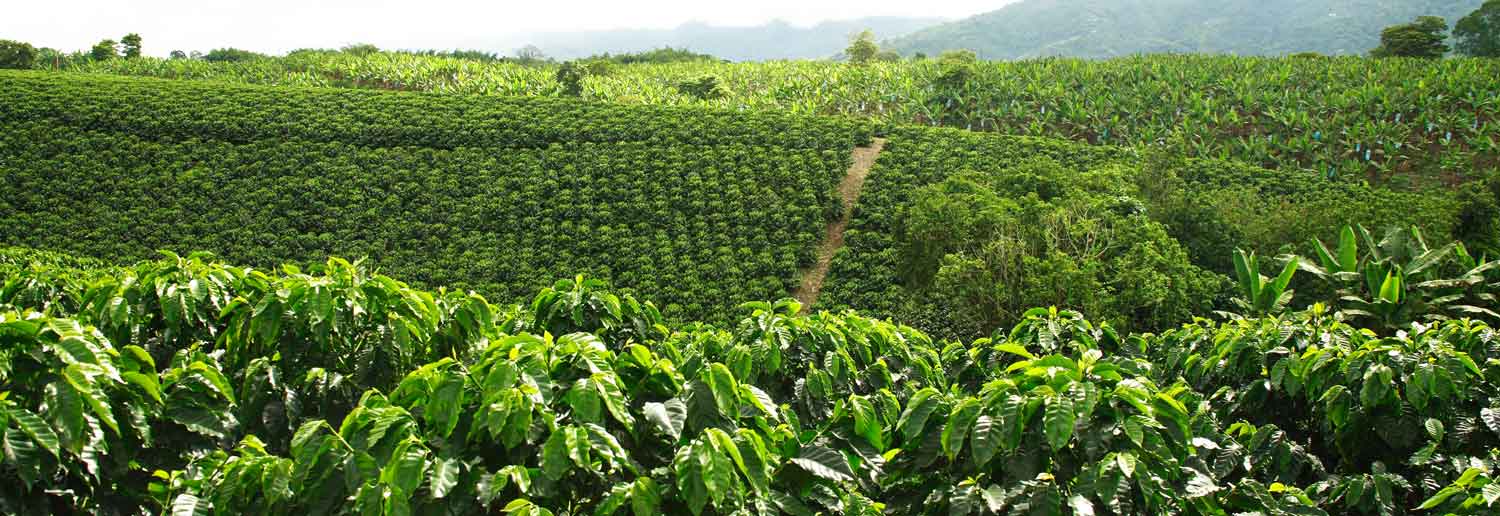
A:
(1107, 28)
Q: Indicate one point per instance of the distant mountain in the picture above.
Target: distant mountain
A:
(1107, 28)
(775, 40)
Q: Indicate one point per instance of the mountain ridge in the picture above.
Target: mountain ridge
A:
(774, 40)
(1112, 28)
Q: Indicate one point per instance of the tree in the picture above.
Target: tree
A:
(572, 74)
(862, 48)
(360, 49)
(530, 54)
(104, 50)
(230, 55)
(958, 68)
(178, 54)
(1478, 34)
(16, 55)
(706, 87)
(132, 45)
(1421, 38)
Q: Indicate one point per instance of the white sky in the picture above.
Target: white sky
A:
(276, 26)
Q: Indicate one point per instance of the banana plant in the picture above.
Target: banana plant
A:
(1257, 294)
(1400, 279)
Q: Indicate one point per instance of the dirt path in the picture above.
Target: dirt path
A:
(833, 239)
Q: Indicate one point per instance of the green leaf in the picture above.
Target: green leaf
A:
(716, 470)
(1135, 431)
(444, 476)
(1271, 292)
(919, 409)
(1468, 477)
(1490, 492)
(406, 468)
(78, 350)
(213, 378)
(1081, 506)
(1390, 289)
(1058, 420)
(669, 417)
(960, 421)
(90, 393)
(1015, 349)
(147, 382)
(1434, 428)
(555, 462)
(761, 401)
(756, 458)
(724, 388)
(985, 440)
(23, 454)
(689, 473)
(824, 463)
(866, 423)
(585, 402)
(1012, 421)
(189, 505)
(1199, 484)
(1376, 384)
(36, 429)
(616, 498)
(614, 399)
(1491, 418)
(1248, 275)
(1348, 250)
(1127, 463)
(443, 408)
(645, 497)
(1442, 495)
(65, 410)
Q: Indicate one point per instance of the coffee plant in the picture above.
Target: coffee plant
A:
(1406, 122)
(438, 189)
(187, 386)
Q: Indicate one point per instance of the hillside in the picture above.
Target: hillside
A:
(1108, 28)
(1341, 118)
(500, 195)
(775, 40)
(442, 189)
(391, 297)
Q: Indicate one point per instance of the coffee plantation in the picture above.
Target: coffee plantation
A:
(189, 386)
(1406, 122)
(495, 195)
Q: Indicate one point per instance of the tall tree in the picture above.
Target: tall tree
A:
(16, 55)
(530, 54)
(1478, 34)
(1421, 38)
(104, 50)
(862, 48)
(131, 43)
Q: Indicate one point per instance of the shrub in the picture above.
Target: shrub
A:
(706, 87)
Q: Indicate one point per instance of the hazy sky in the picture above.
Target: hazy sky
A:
(280, 25)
